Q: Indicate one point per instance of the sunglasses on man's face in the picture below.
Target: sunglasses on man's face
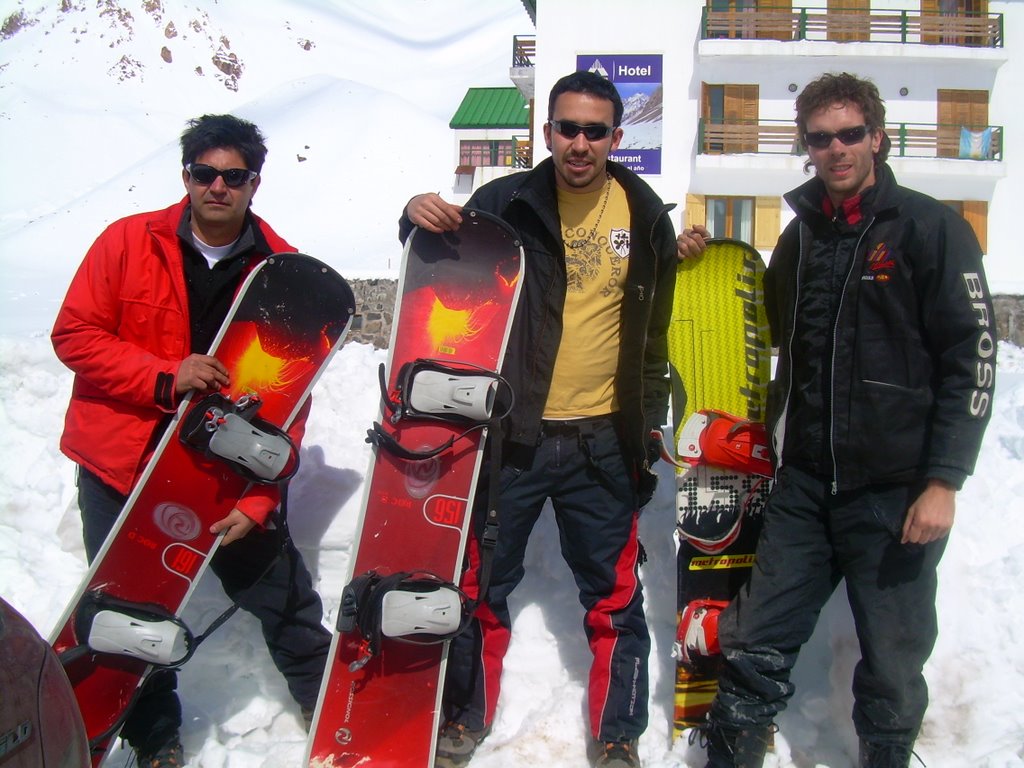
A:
(207, 174)
(848, 136)
(571, 130)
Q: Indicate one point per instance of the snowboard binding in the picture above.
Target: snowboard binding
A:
(144, 631)
(720, 439)
(411, 606)
(697, 634)
(229, 430)
(429, 390)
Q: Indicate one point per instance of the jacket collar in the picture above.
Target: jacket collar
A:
(884, 196)
(248, 239)
(538, 190)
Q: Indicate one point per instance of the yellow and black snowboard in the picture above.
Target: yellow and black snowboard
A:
(719, 355)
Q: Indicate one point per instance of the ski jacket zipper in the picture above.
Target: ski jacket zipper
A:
(832, 361)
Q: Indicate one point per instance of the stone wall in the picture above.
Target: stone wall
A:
(375, 310)
(1010, 318)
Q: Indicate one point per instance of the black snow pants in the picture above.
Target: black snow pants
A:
(810, 541)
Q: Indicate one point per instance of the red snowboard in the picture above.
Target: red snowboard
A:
(275, 343)
(457, 297)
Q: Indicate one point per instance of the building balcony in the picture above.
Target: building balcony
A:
(910, 36)
(787, 23)
(765, 157)
(524, 50)
(778, 137)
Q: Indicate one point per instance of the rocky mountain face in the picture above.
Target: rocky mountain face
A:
(139, 36)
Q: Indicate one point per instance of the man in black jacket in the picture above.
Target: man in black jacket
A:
(587, 360)
(877, 300)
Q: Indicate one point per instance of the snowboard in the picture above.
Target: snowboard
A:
(380, 702)
(289, 316)
(719, 360)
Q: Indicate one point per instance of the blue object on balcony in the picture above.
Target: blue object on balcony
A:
(976, 145)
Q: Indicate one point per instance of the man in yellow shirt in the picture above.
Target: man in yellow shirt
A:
(587, 360)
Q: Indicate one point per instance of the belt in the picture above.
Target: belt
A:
(553, 427)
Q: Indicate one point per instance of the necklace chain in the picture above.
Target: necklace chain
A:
(604, 204)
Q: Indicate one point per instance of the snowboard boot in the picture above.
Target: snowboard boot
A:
(170, 755)
(307, 718)
(456, 745)
(736, 747)
(880, 754)
(616, 754)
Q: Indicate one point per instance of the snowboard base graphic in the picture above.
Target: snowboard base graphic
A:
(275, 343)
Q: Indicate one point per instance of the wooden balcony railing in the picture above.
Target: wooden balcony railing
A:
(524, 50)
(778, 137)
(880, 26)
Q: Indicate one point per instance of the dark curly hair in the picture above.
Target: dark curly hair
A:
(843, 88)
(224, 132)
(590, 83)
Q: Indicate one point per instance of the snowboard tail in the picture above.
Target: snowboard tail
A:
(275, 343)
(381, 697)
(719, 359)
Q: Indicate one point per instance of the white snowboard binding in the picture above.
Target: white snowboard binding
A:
(231, 431)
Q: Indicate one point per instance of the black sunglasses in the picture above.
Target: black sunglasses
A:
(571, 130)
(207, 174)
(823, 139)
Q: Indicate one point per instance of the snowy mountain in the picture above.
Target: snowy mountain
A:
(355, 96)
(643, 108)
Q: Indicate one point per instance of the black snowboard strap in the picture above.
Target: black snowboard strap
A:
(489, 537)
(376, 435)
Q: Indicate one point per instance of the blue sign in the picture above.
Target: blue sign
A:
(639, 81)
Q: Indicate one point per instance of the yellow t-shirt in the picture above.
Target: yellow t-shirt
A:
(595, 229)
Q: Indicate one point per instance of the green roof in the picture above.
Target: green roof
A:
(492, 108)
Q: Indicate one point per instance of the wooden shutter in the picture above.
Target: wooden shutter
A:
(767, 227)
(694, 213)
(776, 20)
(741, 113)
(849, 20)
(976, 213)
(958, 109)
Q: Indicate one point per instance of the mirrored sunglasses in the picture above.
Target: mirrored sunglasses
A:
(207, 174)
(571, 130)
(848, 136)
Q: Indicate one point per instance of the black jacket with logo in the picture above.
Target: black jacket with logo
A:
(528, 202)
(908, 349)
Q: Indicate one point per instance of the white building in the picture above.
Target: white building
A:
(725, 73)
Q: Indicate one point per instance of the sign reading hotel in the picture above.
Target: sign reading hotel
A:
(638, 78)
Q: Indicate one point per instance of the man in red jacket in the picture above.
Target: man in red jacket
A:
(140, 313)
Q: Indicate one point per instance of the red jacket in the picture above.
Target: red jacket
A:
(124, 330)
